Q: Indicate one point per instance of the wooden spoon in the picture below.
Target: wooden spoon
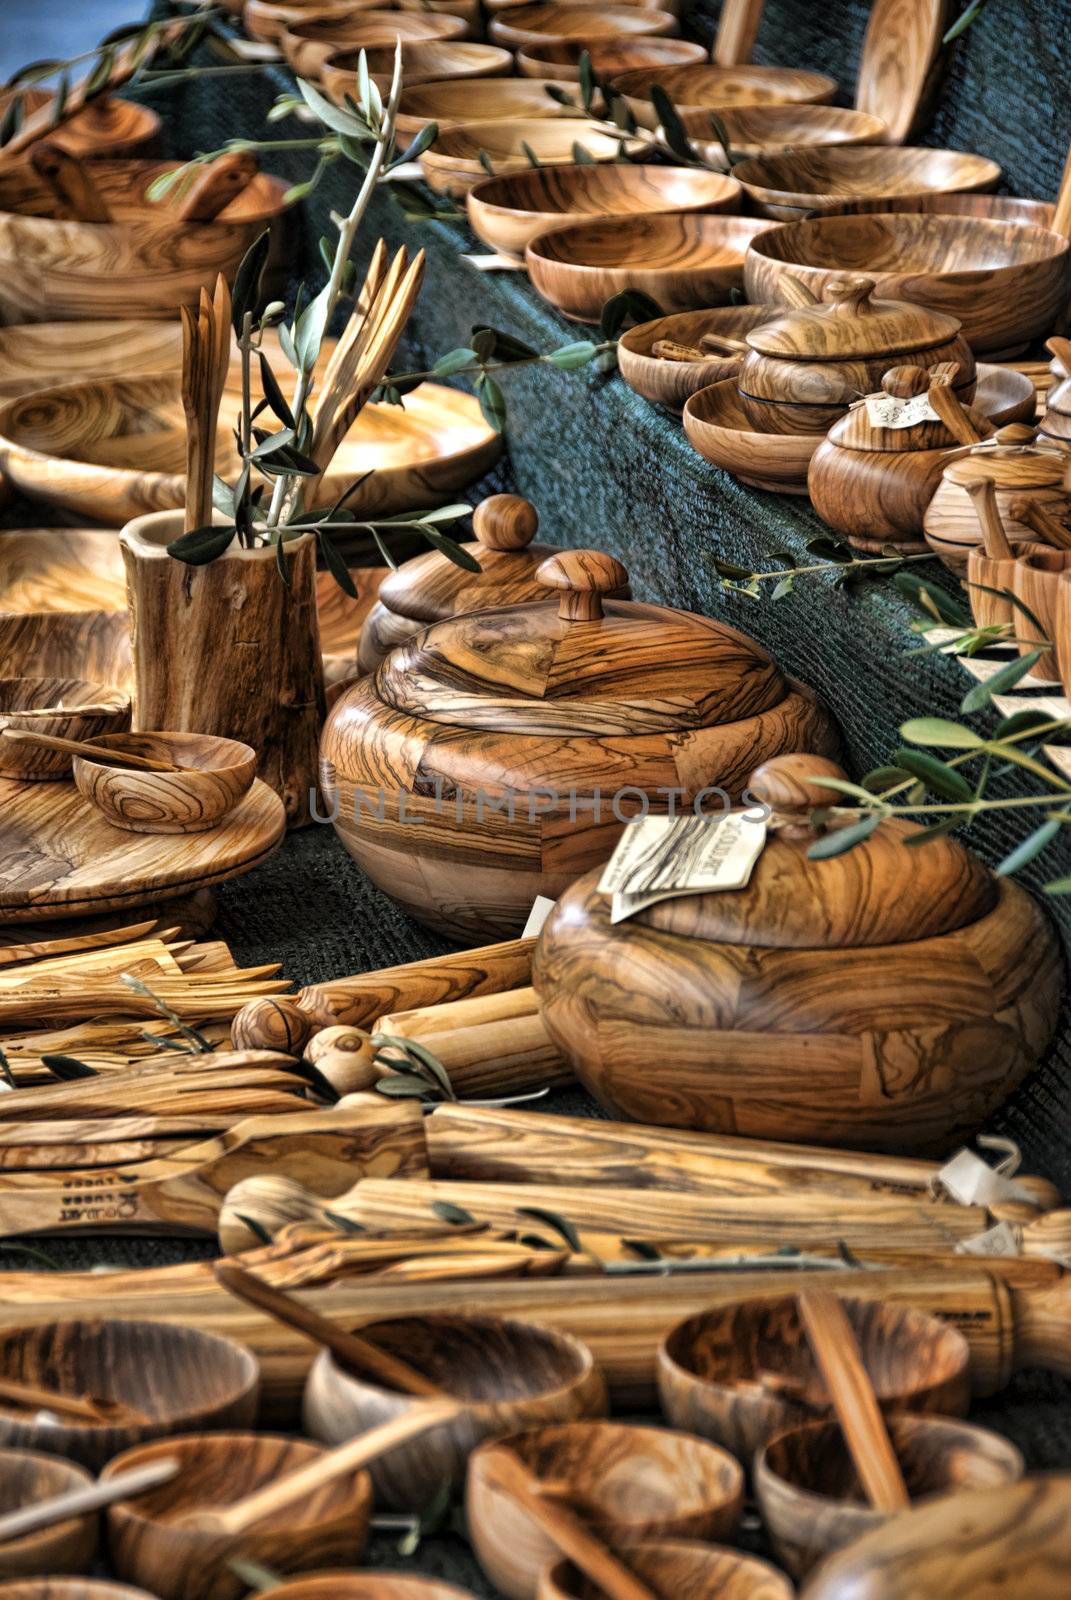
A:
(77, 1502)
(85, 1407)
(92, 752)
(994, 540)
(1040, 520)
(76, 195)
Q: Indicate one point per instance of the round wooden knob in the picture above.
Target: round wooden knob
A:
(905, 382)
(505, 522)
(271, 1024)
(583, 576)
(1015, 436)
(783, 783)
(850, 296)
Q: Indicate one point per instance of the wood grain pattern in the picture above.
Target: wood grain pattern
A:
(560, 58)
(984, 573)
(63, 605)
(244, 1082)
(672, 383)
(106, 126)
(718, 427)
(27, 1478)
(38, 355)
(454, 103)
(1016, 468)
(215, 775)
(66, 708)
(899, 69)
(423, 62)
(681, 1568)
(453, 166)
(713, 88)
(803, 182)
(524, 25)
(377, 1585)
(769, 130)
(308, 45)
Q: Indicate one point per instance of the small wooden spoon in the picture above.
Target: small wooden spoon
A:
(92, 752)
(77, 1502)
(84, 1407)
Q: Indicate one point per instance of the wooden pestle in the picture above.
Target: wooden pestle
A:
(951, 411)
(216, 185)
(85, 1407)
(91, 1497)
(1042, 521)
(994, 540)
(76, 195)
(90, 752)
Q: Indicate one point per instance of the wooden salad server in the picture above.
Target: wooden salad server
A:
(206, 353)
(77, 197)
(106, 1141)
(77, 1502)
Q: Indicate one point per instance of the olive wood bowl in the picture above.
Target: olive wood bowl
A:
(772, 129)
(453, 166)
(810, 1497)
(510, 1375)
(676, 1569)
(629, 1483)
(1005, 282)
(26, 1478)
(178, 1377)
(718, 427)
(672, 383)
(375, 1585)
(681, 262)
(525, 25)
(63, 605)
(107, 127)
(429, 61)
(64, 708)
(743, 1373)
(308, 45)
(216, 774)
(267, 20)
(70, 1589)
(508, 213)
(705, 87)
(149, 1546)
(457, 103)
(991, 207)
(609, 57)
(801, 182)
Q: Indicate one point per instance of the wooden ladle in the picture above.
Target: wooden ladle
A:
(91, 752)
(90, 1497)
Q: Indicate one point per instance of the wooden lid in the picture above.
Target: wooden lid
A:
(855, 431)
(852, 324)
(586, 666)
(1012, 460)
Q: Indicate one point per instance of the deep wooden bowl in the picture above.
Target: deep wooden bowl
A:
(456, 103)
(680, 261)
(631, 1484)
(216, 774)
(179, 1377)
(308, 45)
(268, 20)
(70, 1589)
(540, 24)
(453, 166)
(75, 709)
(25, 1479)
(508, 213)
(1004, 281)
(149, 1547)
(801, 182)
(717, 425)
(511, 1375)
(609, 57)
(677, 1569)
(375, 1585)
(672, 383)
(432, 61)
(106, 127)
(711, 88)
(772, 129)
(810, 1497)
(712, 1367)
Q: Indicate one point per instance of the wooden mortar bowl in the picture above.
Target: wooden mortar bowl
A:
(454, 103)
(802, 182)
(526, 25)
(508, 213)
(772, 129)
(672, 383)
(107, 127)
(179, 1377)
(704, 87)
(327, 1528)
(677, 1569)
(217, 773)
(609, 58)
(510, 1375)
(1005, 282)
(452, 166)
(806, 1523)
(711, 1366)
(26, 1478)
(375, 1585)
(984, 575)
(76, 710)
(308, 45)
(1037, 581)
(631, 1484)
(717, 425)
(432, 61)
(70, 1589)
(680, 261)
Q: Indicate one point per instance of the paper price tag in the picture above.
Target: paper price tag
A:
(663, 857)
(888, 411)
(541, 910)
(972, 1182)
(1003, 1240)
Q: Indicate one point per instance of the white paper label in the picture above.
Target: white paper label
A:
(541, 910)
(889, 411)
(1056, 708)
(972, 1182)
(663, 857)
(495, 263)
(1002, 1240)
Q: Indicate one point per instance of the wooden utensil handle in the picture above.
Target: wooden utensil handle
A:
(1040, 520)
(89, 752)
(738, 24)
(216, 185)
(994, 540)
(75, 193)
(490, 1045)
(946, 403)
(33, 1397)
(79, 1502)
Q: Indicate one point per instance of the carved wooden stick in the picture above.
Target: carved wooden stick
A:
(217, 183)
(490, 1045)
(79, 1502)
(994, 540)
(86, 1407)
(77, 197)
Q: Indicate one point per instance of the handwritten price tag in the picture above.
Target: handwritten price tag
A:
(888, 411)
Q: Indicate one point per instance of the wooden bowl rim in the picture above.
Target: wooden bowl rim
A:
(104, 698)
(452, 28)
(240, 755)
(746, 72)
(847, 156)
(580, 174)
(76, 1477)
(307, 1586)
(530, 129)
(702, 221)
(530, 53)
(339, 59)
(556, 1570)
(914, 225)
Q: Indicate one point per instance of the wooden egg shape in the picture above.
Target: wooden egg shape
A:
(1019, 467)
(676, 1569)
(455, 774)
(26, 1478)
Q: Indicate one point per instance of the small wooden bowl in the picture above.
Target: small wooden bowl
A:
(432, 62)
(806, 1523)
(268, 20)
(711, 1368)
(453, 166)
(456, 103)
(308, 45)
(375, 1585)
(75, 710)
(327, 1528)
(672, 383)
(180, 1378)
(70, 1589)
(508, 213)
(609, 57)
(217, 773)
(511, 1375)
(631, 1484)
(525, 25)
(680, 261)
(1006, 282)
(677, 1569)
(717, 425)
(107, 127)
(25, 1479)
(771, 129)
(803, 182)
(710, 88)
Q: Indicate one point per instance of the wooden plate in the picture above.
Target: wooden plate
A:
(560, 58)
(453, 166)
(899, 65)
(536, 24)
(431, 62)
(109, 126)
(802, 182)
(710, 88)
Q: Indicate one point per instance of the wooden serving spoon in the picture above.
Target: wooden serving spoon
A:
(82, 1407)
(91, 752)
(91, 1497)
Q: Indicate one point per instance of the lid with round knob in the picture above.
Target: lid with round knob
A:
(1013, 459)
(852, 324)
(880, 892)
(581, 663)
(901, 426)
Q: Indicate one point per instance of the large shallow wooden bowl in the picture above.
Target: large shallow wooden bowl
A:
(453, 166)
(800, 182)
(452, 104)
(178, 1378)
(430, 61)
(680, 261)
(741, 1374)
(508, 1375)
(63, 708)
(144, 263)
(990, 207)
(560, 58)
(1005, 282)
(38, 355)
(526, 25)
(377, 1585)
(308, 45)
(809, 1493)
(671, 383)
(676, 1569)
(106, 127)
(711, 88)
(630, 1484)
(508, 213)
(25, 1479)
(771, 129)
(268, 20)
(149, 1546)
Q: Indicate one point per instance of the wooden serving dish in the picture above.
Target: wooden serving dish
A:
(457, 103)
(1005, 282)
(525, 25)
(508, 213)
(906, 988)
(216, 774)
(172, 1379)
(106, 127)
(716, 424)
(308, 45)
(681, 261)
(671, 383)
(1018, 468)
(26, 1478)
(604, 682)
(771, 129)
(149, 1545)
(508, 1375)
(676, 1569)
(430, 61)
(630, 1484)
(65, 708)
(377, 1585)
(809, 1494)
(560, 58)
(742, 1374)
(801, 183)
(706, 88)
(453, 166)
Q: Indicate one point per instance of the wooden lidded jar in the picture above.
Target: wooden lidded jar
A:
(1019, 467)
(806, 367)
(496, 756)
(887, 998)
(1055, 425)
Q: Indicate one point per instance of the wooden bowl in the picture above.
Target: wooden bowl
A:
(802, 182)
(511, 1375)
(631, 1484)
(217, 773)
(560, 58)
(677, 1569)
(141, 264)
(377, 1585)
(70, 1589)
(431, 62)
(25, 1479)
(712, 1365)
(540, 24)
(991, 207)
(810, 1497)
(107, 126)
(453, 166)
(772, 129)
(179, 1377)
(710, 88)
(680, 261)
(308, 45)
(1006, 282)
(327, 1528)
(268, 20)
(64, 708)
(508, 213)
(454, 104)
(671, 383)
(39, 355)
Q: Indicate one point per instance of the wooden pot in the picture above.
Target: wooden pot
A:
(25, 1479)
(509, 1376)
(1019, 469)
(676, 1569)
(456, 773)
(884, 998)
